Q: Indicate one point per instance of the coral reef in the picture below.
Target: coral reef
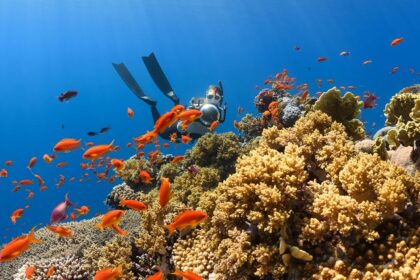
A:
(403, 111)
(69, 267)
(114, 253)
(343, 109)
(218, 151)
(294, 197)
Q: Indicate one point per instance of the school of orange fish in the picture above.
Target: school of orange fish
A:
(96, 158)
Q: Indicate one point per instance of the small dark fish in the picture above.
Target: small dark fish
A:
(91, 133)
(62, 125)
(296, 48)
(67, 95)
(105, 129)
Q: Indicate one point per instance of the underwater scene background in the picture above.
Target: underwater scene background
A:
(295, 183)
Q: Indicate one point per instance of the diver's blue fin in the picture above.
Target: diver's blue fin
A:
(159, 77)
(132, 84)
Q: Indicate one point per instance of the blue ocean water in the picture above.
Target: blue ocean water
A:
(48, 47)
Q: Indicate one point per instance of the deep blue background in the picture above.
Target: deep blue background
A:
(47, 47)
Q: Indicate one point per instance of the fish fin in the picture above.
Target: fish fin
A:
(68, 202)
(119, 230)
(110, 144)
(100, 226)
(32, 238)
(171, 229)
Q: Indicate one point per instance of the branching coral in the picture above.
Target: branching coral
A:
(116, 252)
(196, 252)
(343, 110)
(323, 143)
(64, 268)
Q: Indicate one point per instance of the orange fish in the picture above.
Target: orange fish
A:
(84, 210)
(145, 177)
(17, 246)
(60, 182)
(47, 158)
(112, 220)
(61, 231)
(97, 151)
(214, 125)
(16, 215)
(146, 138)
(108, 273)
(133, 204)
(165, 145)
(50, 271)
(26, 182)
(130, 112)
(30, 195)
(165, 121)
(173, 137)
(3, 173)
(188, 218)
(321, 59)
(190, 115)
(72, 216)
(157, 276)
(29, 272)
(90, 144)
(164, 192)
(8, 162)
(187, 275)
(43, 188)
(395, 69)
(236, 125)
(32, 162)
(185, 139)
(16, 188)
(304, 96)
(61, 164)
(40, 180)
(83, 165)
(396, 41)
(72, 179)
(177, 159)
(65, 145)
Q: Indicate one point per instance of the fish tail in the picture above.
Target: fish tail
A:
(112, 143)
(32, 238)
(13, 218)
(119, 230)
(171, 229)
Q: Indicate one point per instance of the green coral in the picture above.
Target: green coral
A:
(403, 111)
(379, 148)
(188, 188)
(401, 106)
(214, 150)
(343, 109)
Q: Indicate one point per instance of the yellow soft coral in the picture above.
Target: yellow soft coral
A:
(368, 178)
(262, 189)
(323, 143)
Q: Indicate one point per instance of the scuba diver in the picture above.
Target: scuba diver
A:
(211, 105)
